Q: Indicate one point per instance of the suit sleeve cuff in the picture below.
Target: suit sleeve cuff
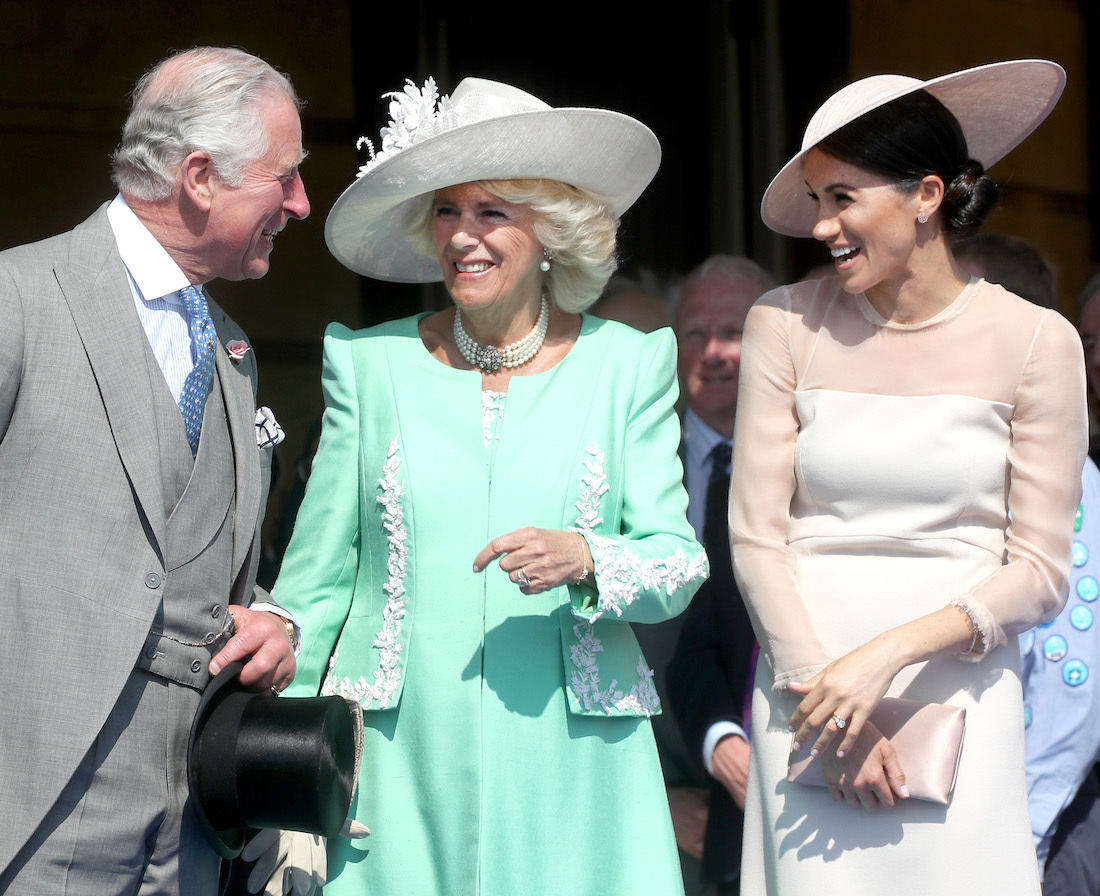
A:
(714, 734)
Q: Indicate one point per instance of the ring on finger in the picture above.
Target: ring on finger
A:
(838, 721)
(522, 579)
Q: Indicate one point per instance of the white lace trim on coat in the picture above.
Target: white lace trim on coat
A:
(608, 556)
(492, 409)
(585, 680)
(387, 677)
(623, 575)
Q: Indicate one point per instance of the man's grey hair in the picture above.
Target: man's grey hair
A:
(736, 268)
(208, 98)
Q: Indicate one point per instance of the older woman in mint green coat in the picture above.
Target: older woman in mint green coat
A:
(495, 497)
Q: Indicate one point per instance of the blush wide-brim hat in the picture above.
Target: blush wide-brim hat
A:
(997, 105)
(485, 131)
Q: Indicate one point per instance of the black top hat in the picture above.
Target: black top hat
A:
(260, 761)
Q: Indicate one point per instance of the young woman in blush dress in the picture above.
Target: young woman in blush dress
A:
(906, 469)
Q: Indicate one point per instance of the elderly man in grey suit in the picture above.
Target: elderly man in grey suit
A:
(132, 484)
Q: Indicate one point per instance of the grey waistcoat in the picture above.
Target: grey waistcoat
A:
(192, 623)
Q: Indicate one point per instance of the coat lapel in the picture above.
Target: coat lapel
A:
(240, 410)
(97, 291)
(98, 294)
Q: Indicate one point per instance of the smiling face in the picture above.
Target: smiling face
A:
(243, 220)
(487, 250)
(710, 318)
(868, 223)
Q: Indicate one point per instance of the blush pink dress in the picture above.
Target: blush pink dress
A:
(882, 471)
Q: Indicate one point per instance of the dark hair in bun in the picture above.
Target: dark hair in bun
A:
(909, 138)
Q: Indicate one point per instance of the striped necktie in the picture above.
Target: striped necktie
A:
(204, 341)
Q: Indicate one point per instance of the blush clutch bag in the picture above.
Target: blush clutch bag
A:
(927, 737)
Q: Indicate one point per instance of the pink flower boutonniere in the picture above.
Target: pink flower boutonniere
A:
(237, 349)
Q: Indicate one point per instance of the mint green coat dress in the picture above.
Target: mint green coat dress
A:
(508, 746)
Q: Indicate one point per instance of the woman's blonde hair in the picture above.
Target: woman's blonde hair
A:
(577, 226)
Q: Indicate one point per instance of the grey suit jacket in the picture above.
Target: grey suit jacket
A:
(82, 518)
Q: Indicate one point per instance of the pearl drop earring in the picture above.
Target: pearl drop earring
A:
(544, 265)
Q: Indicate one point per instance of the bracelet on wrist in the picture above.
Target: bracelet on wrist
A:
(583, 577)
(975, 631)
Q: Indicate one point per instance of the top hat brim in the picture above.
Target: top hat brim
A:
(996, 105)
(227, 841)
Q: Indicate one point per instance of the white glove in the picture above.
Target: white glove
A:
(286, 861)
(291, 861)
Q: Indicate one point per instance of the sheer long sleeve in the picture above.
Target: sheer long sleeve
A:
(1046, 452)
(761, 491)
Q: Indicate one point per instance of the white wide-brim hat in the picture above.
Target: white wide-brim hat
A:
(997, 106)
(484, 131)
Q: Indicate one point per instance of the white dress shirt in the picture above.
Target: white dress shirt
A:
(155, 281)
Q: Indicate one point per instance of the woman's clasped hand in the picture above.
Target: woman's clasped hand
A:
(860, 765)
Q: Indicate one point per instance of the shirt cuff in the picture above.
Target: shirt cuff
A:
(714, 734)
(264, 606)
(1042, 850)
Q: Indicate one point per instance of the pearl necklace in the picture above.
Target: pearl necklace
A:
(490, 358)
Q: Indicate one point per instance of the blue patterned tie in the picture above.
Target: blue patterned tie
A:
(204, 340)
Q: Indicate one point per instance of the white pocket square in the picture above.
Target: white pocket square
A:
(268, 431)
